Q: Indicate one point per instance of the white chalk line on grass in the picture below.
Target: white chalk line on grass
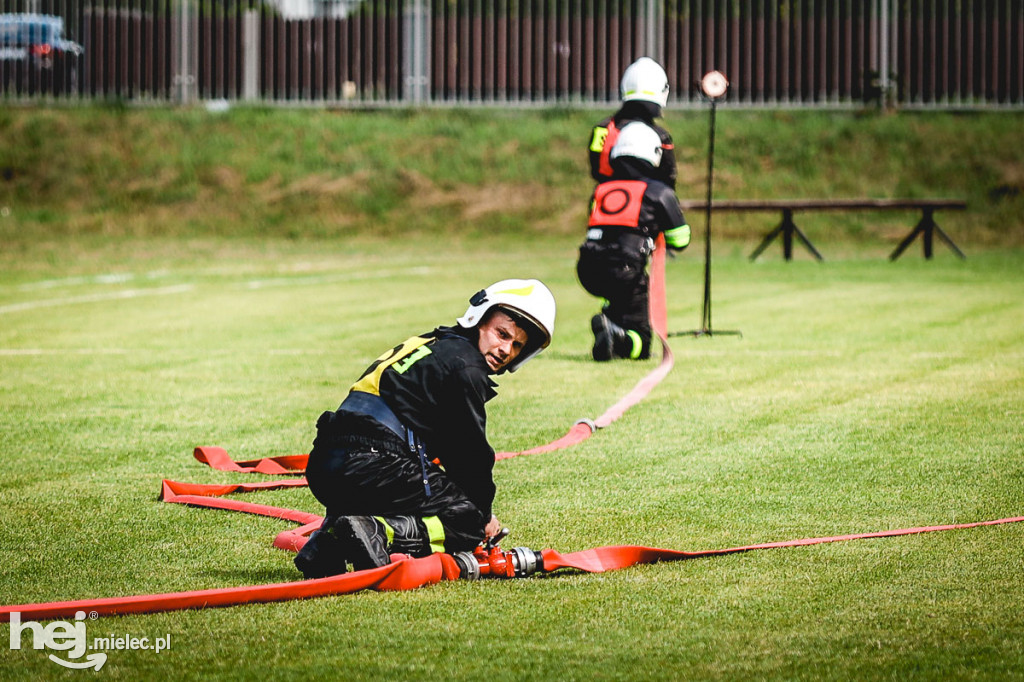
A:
(63, 351)
(94, 298)
(85, 280)
(35, 352)
(182, 288)
(280, 280)
(112, 278)
(306, 280)
(122, 278)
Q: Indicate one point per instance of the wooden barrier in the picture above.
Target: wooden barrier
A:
(787, 229)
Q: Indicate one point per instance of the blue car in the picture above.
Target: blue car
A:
(35, 57)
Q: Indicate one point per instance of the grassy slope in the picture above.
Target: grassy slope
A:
(864, 395)
(315, 173)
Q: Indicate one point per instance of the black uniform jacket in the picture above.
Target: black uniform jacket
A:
(437, 384)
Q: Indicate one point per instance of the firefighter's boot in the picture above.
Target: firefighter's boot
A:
(604, 340)
(322, 555)
(369, 541)
(612, 341)
(364, 541)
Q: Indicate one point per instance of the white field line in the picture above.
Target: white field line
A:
(82, 280)
(268, 282)
(335, 277)
(113, 278)
(93, 298)
(35, 352)
(284, 279)
(63, 351)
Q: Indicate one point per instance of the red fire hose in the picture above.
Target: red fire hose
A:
(583, 428)
(404, 574)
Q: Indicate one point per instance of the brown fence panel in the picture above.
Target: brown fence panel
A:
(960, 53)
(772, 51)
(532, 51)
(351, 58)
(911, 53)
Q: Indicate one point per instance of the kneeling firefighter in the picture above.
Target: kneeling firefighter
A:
(403, 466)
(644, 92)
(626, 214)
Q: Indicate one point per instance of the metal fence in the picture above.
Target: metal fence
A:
(905, 53)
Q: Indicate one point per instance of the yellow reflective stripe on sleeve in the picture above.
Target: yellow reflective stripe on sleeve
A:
(597, 142)
(435, 533)
(678, 237)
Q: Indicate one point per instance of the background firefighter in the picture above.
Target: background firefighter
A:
(644, 93)
(373, 460)
(627, 214)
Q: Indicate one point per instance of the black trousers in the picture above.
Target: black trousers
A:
(619, 275)
(360, 476)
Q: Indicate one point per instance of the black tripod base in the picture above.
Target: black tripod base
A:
(927, 229)
(787, 229)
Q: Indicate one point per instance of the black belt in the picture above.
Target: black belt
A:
(373, 406)
(624, 237)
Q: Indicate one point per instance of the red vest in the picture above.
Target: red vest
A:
(617, 203)
(605, 167)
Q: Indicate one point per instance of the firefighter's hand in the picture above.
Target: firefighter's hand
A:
(493, 527)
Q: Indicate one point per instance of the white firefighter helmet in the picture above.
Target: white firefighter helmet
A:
(527, 301)
(644, 80)
(639, 140)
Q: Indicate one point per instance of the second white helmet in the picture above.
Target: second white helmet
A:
(644, 80)
(526, 300)
(640, 141)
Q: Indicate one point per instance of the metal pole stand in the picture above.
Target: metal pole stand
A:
(713, 85)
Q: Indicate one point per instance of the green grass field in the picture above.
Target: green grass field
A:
(864, 395)
(170, 279)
